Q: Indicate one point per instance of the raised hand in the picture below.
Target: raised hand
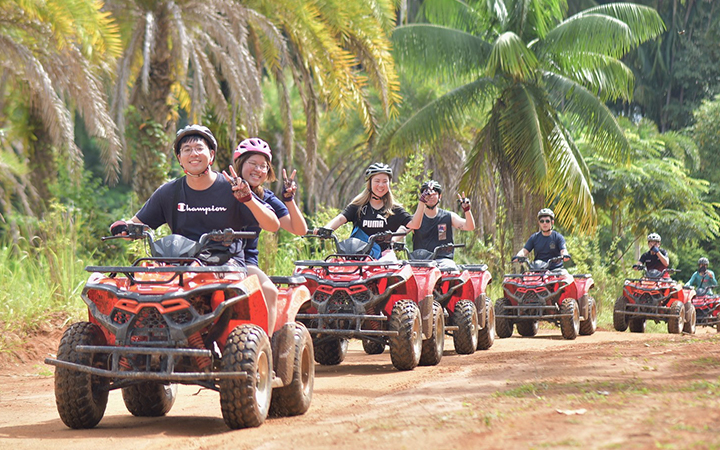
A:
(289, 186)
(464, 202)
(241, 189)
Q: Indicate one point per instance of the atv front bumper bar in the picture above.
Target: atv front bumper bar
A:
(168, 374)
(357, 331)
(537, 312)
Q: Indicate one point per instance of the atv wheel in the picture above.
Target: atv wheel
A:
(503, 327)
(465, 337)
(294, 399)
(149, 399)
(432, 348)
(373, 347)
(330, 352)
(620, 321)
(637, 325)
(677, 321)
(406, 346)
(690, 319)
(245, 401)
(486, 334)
(81, 398)
(589, 325)
(570, 326)
(527, 328)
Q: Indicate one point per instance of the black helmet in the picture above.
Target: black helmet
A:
(703, 261)
(377, 168)
(195, 130)
(546, 212)
(431, 184)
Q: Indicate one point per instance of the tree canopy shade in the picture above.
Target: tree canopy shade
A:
(533, 77)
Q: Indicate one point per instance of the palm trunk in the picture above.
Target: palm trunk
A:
(154, 123)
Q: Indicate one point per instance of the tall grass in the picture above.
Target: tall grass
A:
(43, 274)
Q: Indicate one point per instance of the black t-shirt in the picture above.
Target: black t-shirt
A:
(372, 221)
(434, 232)
(197, 212)
(652, 262)
(546, 247)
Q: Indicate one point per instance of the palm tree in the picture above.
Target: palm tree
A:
(53, 54)
(340, 60)
(197, 56)
(531, 77)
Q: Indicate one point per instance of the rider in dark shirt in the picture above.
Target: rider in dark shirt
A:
(655, 258)
(546, 243)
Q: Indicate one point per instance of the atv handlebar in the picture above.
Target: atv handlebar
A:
(226, 236)
(134, 231)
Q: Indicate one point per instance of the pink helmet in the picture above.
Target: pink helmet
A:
(253, 145)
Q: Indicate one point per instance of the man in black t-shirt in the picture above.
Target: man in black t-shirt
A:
(655, 258)
(437, 224)
(546, 243)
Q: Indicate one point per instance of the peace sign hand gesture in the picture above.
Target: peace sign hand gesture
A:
(240, 187)
(464, 202)
(289, 186)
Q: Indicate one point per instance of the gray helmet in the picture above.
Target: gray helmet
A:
(654, 237)
(431, 184)
(195, 130)
(703, 261)
(546, 212)
(377, 168)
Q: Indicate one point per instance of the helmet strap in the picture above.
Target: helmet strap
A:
(431, 207)
(374, 197)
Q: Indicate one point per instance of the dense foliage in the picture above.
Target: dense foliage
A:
(619, 132)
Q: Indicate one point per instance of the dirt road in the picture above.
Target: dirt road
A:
(609, 390)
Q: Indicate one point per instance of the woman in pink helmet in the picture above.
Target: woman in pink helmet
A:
(252, 160)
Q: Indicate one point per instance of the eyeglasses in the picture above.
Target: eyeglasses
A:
(544, 220)
(187, 150)
(261, 167)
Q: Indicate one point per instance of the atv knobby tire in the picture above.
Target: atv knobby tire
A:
(589, 325)
(373, 347)
(570, 326)
(81, 398)
(676, 323)
(149, 399)
(690, 319)
(486, 334)
(406, 346)
(294, 399)
(432, 348)
(465, 337)
(620, 321)
(637, 325)
(245, 401)
(527, 328)
(503, 327)
(330, 351)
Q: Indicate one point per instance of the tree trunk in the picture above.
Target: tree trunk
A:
(152, 150)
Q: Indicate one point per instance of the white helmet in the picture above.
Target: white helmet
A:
(654, 237)
(377, 168)
(546, 212)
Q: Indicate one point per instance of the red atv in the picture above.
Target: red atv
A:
(658, 297)
(176, 318)
(550, 295)
(461, 293)
(707, 308)
(381, 302)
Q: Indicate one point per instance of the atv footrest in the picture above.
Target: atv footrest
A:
(353, 333)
